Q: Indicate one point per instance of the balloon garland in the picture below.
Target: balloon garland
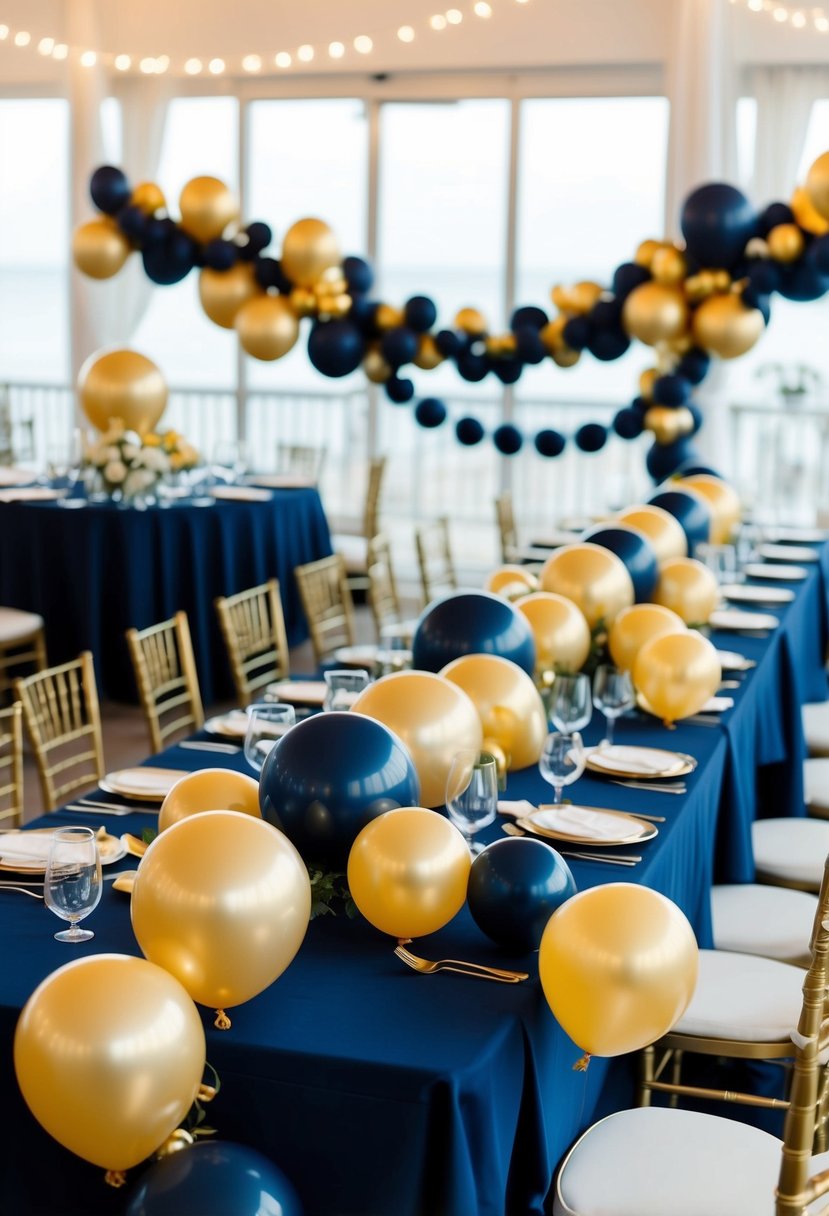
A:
(709, 296)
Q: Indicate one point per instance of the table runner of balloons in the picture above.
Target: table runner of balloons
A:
(707, 296)
(357, 791)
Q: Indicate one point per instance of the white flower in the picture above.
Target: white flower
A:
(129, 451)
(112, 453)
(115, 471)
(155, 459)
(138, 480)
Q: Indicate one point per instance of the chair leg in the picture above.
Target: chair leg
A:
(40, 650)
(646, 1075)
(676, 1075)
(822, 1111)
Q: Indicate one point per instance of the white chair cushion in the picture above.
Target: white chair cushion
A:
(741, 996)
(816, 727)
(791, 849)
(775, 922)
(816, 782)
(16, 626)
(354, 550)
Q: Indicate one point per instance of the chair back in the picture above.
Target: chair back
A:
(11, 765)
(383, 599)
(507, 531)
(165, 672)
(371, 508)
(253, 628)
(300, 458)
(326, 601)
(434, 558)
(63, 720)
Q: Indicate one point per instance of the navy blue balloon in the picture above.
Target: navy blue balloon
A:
(363, 313)
(697, 415)
(802, 281)
(358, 275)
(514, 888)
(469, 431)
(764, 276)
(430, 412)
(576, 333)
(690, 510)
(449, 343)
(220, 255)
(528, 344)
(471, 622)
(158, 230)
(605, 314)
(771, 216)
(472, 367)
(213, 1178)
(109, 189)
(694, 365)
(399, 345)
(268, 272)
(421, 313)
(169, 261)
(818, 254)
(691, 468)
(628, 424)
(335, 348)
(608, 343)
(641, 405)
(507, 439)
(528, 315)
(663, 460)
(331, 775)
(259, 237)
(591, 437)
(671, 390)
(627, 276)
(507, 370)
(549, 443)
(398, 390)
(754, 299)
(634, 549)
(717, 222)
(133, 222)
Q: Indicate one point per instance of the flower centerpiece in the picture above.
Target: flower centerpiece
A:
(129, 465)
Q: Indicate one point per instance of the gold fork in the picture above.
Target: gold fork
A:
(425, 967)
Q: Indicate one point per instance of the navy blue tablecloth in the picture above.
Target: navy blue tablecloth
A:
(95, 571)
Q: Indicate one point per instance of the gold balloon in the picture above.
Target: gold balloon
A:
(646, 382)
(428, 356)
(593, 578)
(508, 704)
(646, 252)
(376, 368)
(501, 344)
(724, 326)
(433, 717)
(506, 579)
(663, 530)
(676, 674)
(122, 384)
(493, 747)
(688, 588)
(562, 635)
(267, 327)
(223, 292)
(303, 301)
(806, 215)
(654, 312)
(109, 1055)
(635, 626)
(471, 321)
(334, 306)
(582, 296)
(723, 500)
(618, 966)
(552, 335)
(668, 423)
(566, 357)
(668, 265)
(210, 789)
(148, 197)
(817, 185)
(786, 242)
(388, 317)
(308, 250)
(207, 207)
(222, 902)
(99, 248)
(408, 871)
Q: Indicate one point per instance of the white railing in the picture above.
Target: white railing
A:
(781, 460)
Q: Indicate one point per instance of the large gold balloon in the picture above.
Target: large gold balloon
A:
(267, 327)
(511, 580)
(688, 588)
(434, 718)
(676, 674)
(210, 789)
(635, 626)
(662, 529)
(408, 871)
(121, 384)
(592, 577)
(724, 326)
(207, 207)
(471, 321)
(308, 250)
(148, 197)
(223, 292)
(618, 966)
(222, 902)
(561, 633)
(723, 500)
(99, 248)
(508, 704)
(817, 185)
(668, 423)
(655, 312)
(109, 1055)
(806, 215)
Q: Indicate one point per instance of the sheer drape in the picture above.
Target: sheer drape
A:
(785, 95)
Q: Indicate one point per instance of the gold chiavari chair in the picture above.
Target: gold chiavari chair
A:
(11, 765)
(434, 559)
(63, 720)
(511, 548)
(383, 598)
(656, 1160)
(326, 601)
(22, 643)
(168, 685)
(253, 628)
(350, 537)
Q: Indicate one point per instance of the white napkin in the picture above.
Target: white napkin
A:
(235, 723)
(303, 692)
(31, 494)
(520, 808)
(28, 847)
(580, 821)
(241, 493)
(633, 760)
(716, 705)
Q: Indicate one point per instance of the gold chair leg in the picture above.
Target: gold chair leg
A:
(676, 1075)
(822, 1111)
(40, 650)
(646, 1076)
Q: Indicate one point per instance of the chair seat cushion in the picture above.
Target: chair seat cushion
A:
(17, 626)
(793, 850)
(750, 918)
(816, 727)
(741, 996)
(816, 782)
(354, 550)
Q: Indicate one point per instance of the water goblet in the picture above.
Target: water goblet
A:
(570, 705)
(562, 761)
(342, 688)
(613, 694)
(268, 721)
(72, 883)
(472, 794)
(721, 560)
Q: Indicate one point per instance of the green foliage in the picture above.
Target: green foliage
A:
(330, 893)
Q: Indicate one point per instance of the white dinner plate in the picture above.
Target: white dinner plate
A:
(241, 494)
(145, 783)
(797, 536)
(630, 761)
(281, 481)
(29, 851)
(776, 572)
(588, 825)
(298, 692)
(743, 622)
(787, 554)
(740, 593)
(232, 726)
(732, 660)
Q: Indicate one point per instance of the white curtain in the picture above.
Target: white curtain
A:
(785, 95)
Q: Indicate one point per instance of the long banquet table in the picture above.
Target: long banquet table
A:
(95, 571)
(384, 1093)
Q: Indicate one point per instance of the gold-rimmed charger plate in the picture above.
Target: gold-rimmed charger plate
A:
(586, 825)
(110, 849)
(232, 725)
(145, 783)
(643, 763)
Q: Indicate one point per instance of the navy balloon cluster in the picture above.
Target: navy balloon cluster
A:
(472, 622)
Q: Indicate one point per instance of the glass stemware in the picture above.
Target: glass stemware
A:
(342, 688)
(472, 794)
(721, 560)
(613, 693)
(570, 707)
(268, 721)
(562, 761)
(230, 459)
(72, 883)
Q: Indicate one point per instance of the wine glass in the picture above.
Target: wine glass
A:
(472, 793)
(72, 883)
(230, 459)
(268, 721)
(570, 705)
(342, 688)
(612, 694)
(562, 761)
(721, 560)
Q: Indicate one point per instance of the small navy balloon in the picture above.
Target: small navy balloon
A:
(634, 549)
(690, 510)
(515, 886)
(214, 1179)
(472, 622)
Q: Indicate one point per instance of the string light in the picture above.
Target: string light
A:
(777, 10)
(252, 63)
(193, 66)
(454, 16)
(89, 59)
(282, 59)
(4, 33)
(123, 63)
(216, 66)
(406, 33)
(438, 22)
(22, 38)
(46, 46)
(336, 50)
(363, 45)
(305, 53)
